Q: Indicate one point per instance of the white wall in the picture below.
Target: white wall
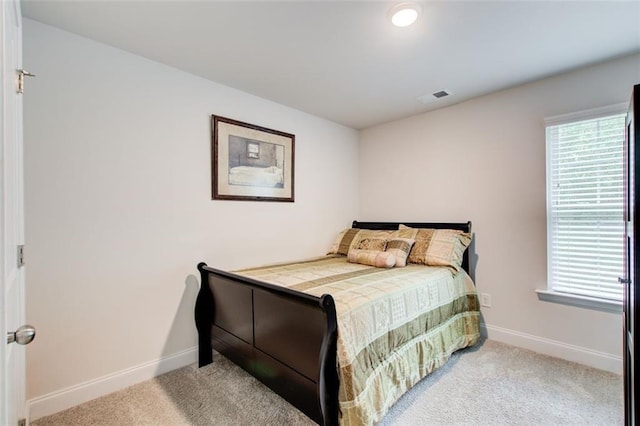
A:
(484, 161)
(119, 209)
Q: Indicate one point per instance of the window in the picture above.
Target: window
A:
(585, 224)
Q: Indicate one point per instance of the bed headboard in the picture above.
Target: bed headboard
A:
(464, 227)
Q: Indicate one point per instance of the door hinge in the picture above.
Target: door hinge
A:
(21, 75)
(20, 255)
(22, 422)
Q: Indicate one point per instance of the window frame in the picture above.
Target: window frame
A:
(549, 294)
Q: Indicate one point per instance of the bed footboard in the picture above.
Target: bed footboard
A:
(284, 338)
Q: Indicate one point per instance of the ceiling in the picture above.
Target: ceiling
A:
(343, 60)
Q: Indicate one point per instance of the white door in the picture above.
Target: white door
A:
(12, 356)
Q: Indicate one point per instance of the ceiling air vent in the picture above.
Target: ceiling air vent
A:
(441, 94)
(427, 99)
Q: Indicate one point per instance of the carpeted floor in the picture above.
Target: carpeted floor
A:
(490, 384)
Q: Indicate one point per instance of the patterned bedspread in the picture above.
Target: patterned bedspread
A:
(395, 326)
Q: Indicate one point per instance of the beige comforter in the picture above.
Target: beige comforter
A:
(395, 326)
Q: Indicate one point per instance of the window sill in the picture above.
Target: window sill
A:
(580, 301)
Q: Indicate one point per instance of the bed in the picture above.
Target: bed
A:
(317, 333)
(256, 176)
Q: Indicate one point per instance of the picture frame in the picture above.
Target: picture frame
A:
(250, 162)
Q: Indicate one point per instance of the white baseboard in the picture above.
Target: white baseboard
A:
(70, 397)
(581, 355)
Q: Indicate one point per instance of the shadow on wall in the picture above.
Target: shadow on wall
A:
(473, 264)
(473, 258)
(179, 337)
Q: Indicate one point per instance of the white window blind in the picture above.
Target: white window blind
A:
(585, 206)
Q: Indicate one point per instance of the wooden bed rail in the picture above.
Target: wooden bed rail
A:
(284, 338)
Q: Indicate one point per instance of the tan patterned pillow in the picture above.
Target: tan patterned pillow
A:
(343, 241)
(400, 247)
(376, 244)
(353, 238)
(436, 247)
(379, 259)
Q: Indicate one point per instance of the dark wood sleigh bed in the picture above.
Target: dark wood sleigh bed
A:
(284, 338)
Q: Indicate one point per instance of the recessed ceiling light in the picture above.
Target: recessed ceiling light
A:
(404, 14)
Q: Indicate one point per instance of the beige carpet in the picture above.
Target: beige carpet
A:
(490, 384)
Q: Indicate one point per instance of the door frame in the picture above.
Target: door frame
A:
(12, 383)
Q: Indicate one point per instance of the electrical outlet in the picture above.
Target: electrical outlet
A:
(485, 300)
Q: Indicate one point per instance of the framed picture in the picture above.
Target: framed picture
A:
(250, 162)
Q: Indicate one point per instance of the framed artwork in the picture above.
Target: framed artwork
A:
(251, 163)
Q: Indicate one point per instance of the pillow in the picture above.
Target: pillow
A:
(400, 247)
(338, 247)
(436, 247)
(354, 238)
(379, 259)
(375, 244)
